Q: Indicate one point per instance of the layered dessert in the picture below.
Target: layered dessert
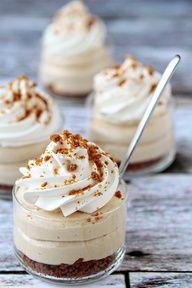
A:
(27, 116)
(73, 51)
(69, 212)
(121, 96)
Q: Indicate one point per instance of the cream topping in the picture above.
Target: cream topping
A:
(73, 31)
(27, 116)
(72, 174)
(123, 92)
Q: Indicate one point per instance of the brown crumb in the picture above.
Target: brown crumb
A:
(79, 191)
(96, 176)
(26, 176)
(97, 218)
(91, 22)
(80, 157)
(71, 167)
(95, 155)
(118, 194)
(7, 102)
(95, 213)
(44, 184)
(38, 161)
(96, 194)
(55, 171)
(47, 157)
(121, 82)
(62, 151)
(88, 219)
(55, 138)
(27, 113)
(134, 64)
(38, 113)
(150, 70)
(153, 87)
(16, 96)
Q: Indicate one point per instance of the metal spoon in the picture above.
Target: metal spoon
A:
(149, 110)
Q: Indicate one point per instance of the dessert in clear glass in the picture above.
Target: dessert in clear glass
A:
(70, 212)
(74, 49)
(27, 116)
(121, 95)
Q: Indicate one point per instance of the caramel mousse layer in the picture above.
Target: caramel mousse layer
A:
(53, 239)
(69, 203)
(157, 140)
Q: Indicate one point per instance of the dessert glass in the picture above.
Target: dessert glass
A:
(27, 116)
(74, 49)
(77, 249)
(160, 158)
(113, 129)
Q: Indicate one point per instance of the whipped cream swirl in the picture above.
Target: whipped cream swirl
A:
(72, 174)
(73, 31)
(26, 115)
(123, 92)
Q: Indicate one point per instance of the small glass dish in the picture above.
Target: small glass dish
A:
(156, 150)
(77, 249)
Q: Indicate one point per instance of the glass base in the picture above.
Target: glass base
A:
(113, 265)
(6, 191)
(155, 166)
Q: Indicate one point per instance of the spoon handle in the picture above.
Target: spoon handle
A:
(149, 110)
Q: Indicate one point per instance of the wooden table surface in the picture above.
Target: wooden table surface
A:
(159, 236)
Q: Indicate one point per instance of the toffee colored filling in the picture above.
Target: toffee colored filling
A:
(52, 91)
(141, 165)
(78, 269)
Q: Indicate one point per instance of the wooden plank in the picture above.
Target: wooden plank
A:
(159, 236)
(107, 9)
(164, 280)
(23, 280)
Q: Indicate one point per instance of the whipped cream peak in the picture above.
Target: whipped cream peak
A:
(25, 113)
(73, 31)
(123, 92)
(22, 94)
(72, 17)
(72, 174)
